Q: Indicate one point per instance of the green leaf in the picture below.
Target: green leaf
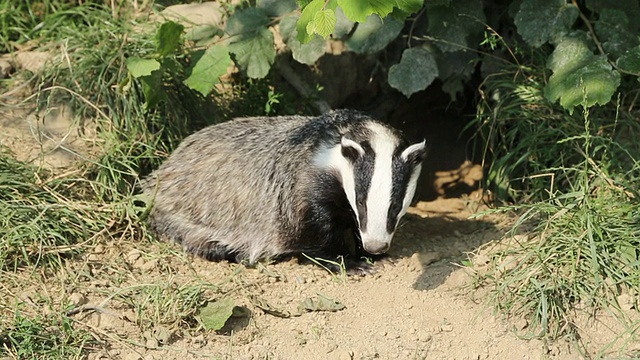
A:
(455, 25)
(215, 314)
(168, 37)
(374, 34)
(139, 67)
(615, 33)
(416, 70)
(579, 77)
(359, 10)
(307, 53)
(153, 89)
(410, 6)
(276, 8)
(454, 69)
(630, 7)
(540, 21)
(251, 41)
(207, 67)
(308, 12)
(630, 60)
(324, 22)
(343, 25)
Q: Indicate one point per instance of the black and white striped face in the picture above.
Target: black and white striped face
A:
(379, 175)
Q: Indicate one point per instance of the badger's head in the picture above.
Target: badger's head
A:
(378, 171)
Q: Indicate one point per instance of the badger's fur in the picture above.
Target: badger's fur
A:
(264, 187)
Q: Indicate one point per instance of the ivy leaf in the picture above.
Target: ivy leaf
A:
(630, 60)
(455, 24)
(215, 314)
(306, 18)
(539, 21)
(168, 37)
(251, 41)
(324, 22)
(374, 34)
(276, 8)
(358, 11)
(207, 67)
(307, 53)
(579, 77)
(417, 70)
(139, 67)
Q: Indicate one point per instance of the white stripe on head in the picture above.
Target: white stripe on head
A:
(330, 157)
(384, 144)
(411, 190)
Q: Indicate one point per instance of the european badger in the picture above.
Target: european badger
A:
(265, 187)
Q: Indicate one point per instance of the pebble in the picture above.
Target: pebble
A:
(132, 356)
(133, 255)
(78, 299)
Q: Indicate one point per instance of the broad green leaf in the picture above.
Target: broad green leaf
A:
(630, 61)
(153, 89)
(374, 34)
(276, 8)
(416, 70)
(139, 67)
(307, 53)
(540, 21)
(207, 67)
(215, 314)
(615, 32)
(410, 6)
(454, 69)
(168, 37)
(308, 12)
(251, 41)
(579, 77)
(324, 22)
(359, 10)
(456, 25)
(630, 7)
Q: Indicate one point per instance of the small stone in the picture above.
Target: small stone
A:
(300, 280)
(133, 255)
(457, 233)
(6, 68)
(132, 356)
(98, 249)
(93, 258)
(521, 324)
(78, 299)
(149, 265)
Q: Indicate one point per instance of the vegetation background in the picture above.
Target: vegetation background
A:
(546, 91)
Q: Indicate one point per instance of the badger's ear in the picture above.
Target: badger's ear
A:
(350, 149)
(415, 153)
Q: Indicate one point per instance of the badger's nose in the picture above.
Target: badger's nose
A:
(376, 247)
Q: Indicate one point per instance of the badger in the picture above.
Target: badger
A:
(267, 187)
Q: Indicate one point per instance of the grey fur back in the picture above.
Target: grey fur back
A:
(238, 189)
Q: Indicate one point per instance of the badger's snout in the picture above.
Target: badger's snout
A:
(376, 247)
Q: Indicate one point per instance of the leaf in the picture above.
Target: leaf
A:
(455, 24)
(153, 89)
(343, 25)
(324, 22)
(630, 60)
(579, 77)
(615, 33)
(320, 303)
(139, 67)
(416, 70)
(251, 41)
(207, 67)
(359, 10)
(308, 12)
(215, 314)
(630, 7)
(454, 69)
(374, 34)
(307, 53)
(276, 8)
(410, 6)
(540, 21)
(168, 37)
